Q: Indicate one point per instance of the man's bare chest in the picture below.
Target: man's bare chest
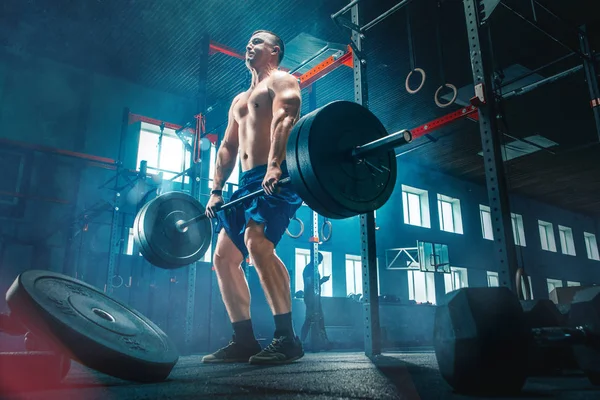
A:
(255, 103)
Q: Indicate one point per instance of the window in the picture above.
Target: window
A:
(518, 229)
(571, 283)
(553, 284)
(525, 288)
(492, 278)
(486, 222)
(235, 174)
(450, 215)
(354, 275)
(416, 206)
(591, 246)
(456, 279)
(547, 235)
(567, 246)
(302, 260)
(130, 242)
(170, 159)
(421, 286)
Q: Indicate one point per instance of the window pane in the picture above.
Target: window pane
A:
(358, 276)
(430, 286)
(411, 285)
(405, 207)
(148, 148)
(325, 270)
(414, 207)
(420, 287)
(302, 259)
(448, 217)
(171, 155)
(350, 288)
(487, 225)
(544, 236)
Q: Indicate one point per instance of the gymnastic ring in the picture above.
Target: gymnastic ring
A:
(301, 229)
(454, 95)
(326, 238)
(522, 275)
(424, 76)
(112, 281)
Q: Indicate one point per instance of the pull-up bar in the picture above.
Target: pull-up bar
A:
(374, 22)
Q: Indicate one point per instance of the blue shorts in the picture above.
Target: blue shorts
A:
(273, 211)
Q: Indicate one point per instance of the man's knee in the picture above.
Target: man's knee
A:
(227, 255)
(257, 244)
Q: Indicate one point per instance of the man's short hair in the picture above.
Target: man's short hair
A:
(278, 42)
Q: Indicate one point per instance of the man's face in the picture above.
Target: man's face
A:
(259, 50)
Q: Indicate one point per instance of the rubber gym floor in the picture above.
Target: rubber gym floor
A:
(329, 375)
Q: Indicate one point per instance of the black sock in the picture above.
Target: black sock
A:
(243, 332)
(283, 325)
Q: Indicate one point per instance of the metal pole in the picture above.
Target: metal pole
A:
(367, 221)
(591, 74)
(344, 9)
(383, 16)
(195, 188)
(311, 58)
(481, 64)
(116, 232)
(314, 321)
(384, 144)
(542, 82)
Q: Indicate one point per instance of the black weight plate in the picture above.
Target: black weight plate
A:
(343, 185)
(142, 244)
(165, 245)
(294, 169)
(99, 331)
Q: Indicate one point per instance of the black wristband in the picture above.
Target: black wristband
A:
(217, 192)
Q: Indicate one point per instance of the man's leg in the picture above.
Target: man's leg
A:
(275, 281)
(236, 297)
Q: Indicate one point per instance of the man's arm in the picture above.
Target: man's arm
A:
(227, 153)
(287, 101)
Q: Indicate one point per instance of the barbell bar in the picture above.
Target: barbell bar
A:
(182, 225)
(340, 160)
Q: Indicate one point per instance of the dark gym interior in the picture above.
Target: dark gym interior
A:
(476, 278)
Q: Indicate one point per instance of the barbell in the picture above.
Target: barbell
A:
(340, 160)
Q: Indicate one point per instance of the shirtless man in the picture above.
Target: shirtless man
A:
(260, 121)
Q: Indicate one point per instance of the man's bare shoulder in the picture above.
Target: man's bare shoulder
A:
(283, 78)
(237, 98)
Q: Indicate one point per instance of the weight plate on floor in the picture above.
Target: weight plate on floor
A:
(343, 185)
(98, 331)
(159, 240)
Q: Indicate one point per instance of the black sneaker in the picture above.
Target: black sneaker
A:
(282, 350)
(233, 352)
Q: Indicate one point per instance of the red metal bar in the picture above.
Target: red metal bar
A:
(325, 67)
(221, 48)
(470, 111)
(45, 149)
(136, 117)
